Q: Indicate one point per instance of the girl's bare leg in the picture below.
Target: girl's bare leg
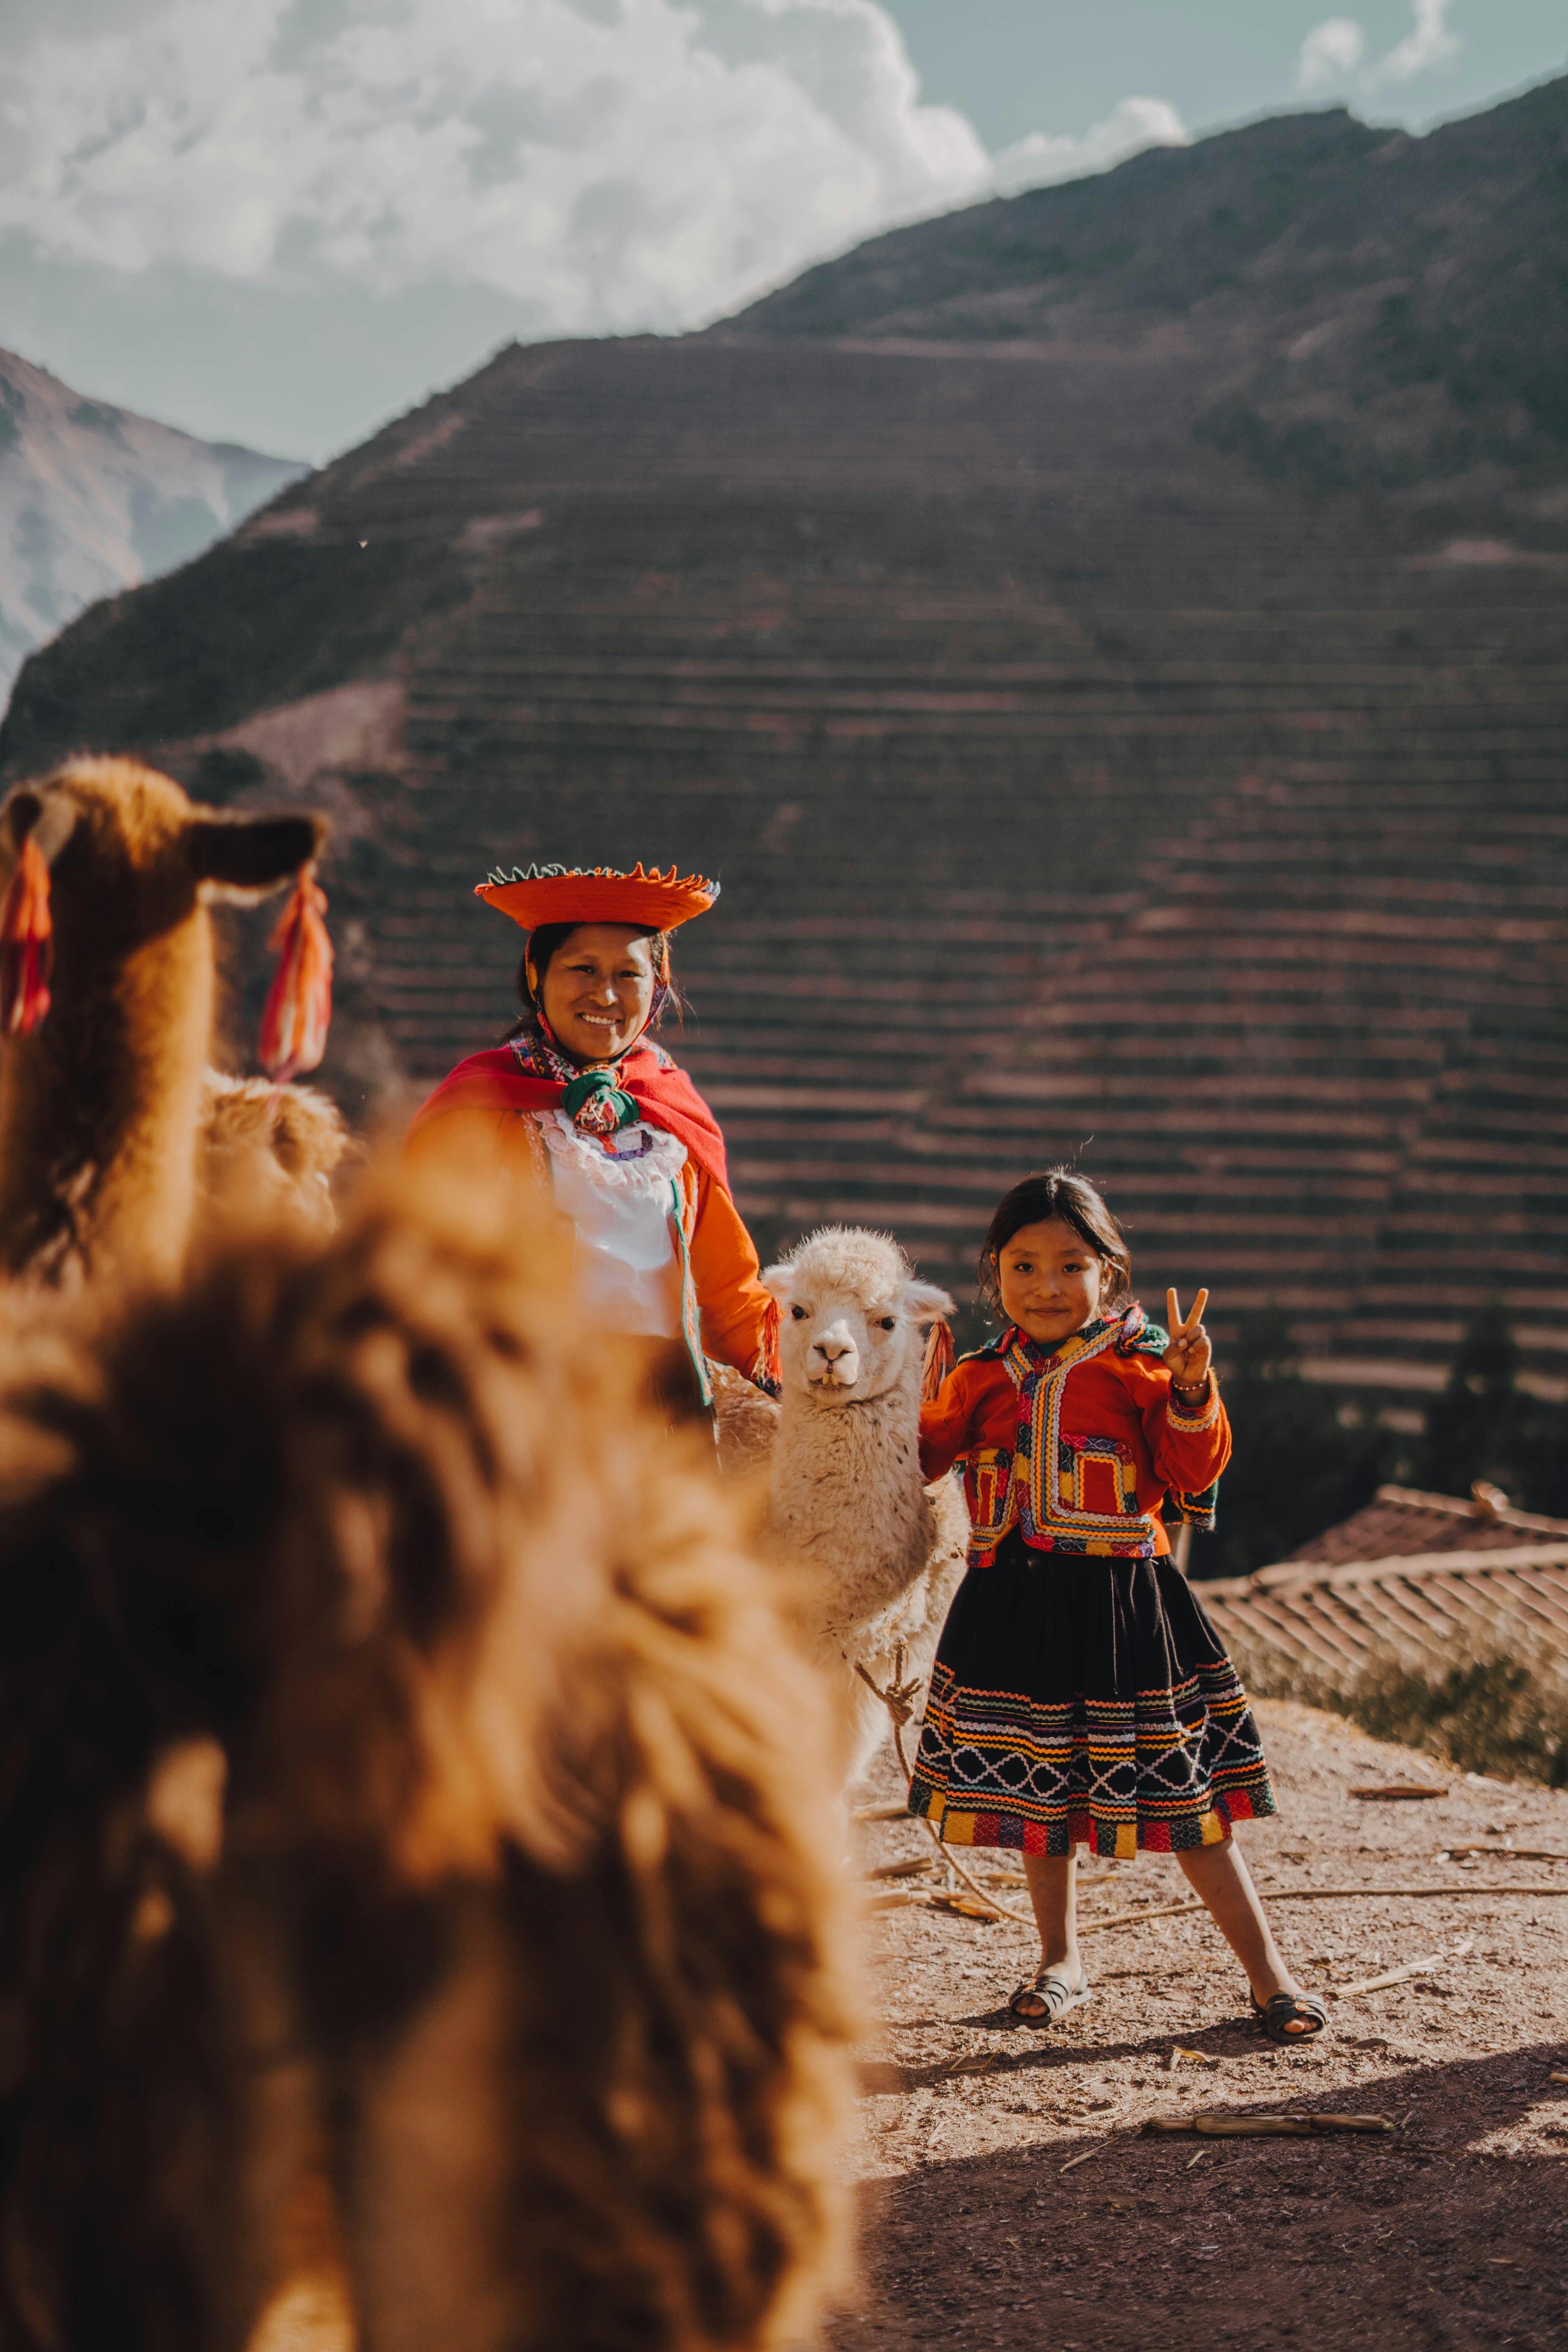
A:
(1053, 1891)
(1218, 1875)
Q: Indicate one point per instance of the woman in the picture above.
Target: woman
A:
(586, 1100)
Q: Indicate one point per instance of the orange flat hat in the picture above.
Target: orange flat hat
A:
(596, 894)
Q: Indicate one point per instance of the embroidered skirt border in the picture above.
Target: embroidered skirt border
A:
(1132, 1731)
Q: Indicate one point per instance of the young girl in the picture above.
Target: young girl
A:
(1080, 1693)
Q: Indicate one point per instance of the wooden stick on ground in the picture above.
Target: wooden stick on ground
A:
(1406, 1975)
(1506, 1853)
(1405, 1791)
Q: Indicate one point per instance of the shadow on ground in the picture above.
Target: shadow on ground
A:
(1424, 2237)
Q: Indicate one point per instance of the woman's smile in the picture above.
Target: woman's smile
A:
(598, 991)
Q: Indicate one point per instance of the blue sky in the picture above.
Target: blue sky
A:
(1014, 65)
(281, 221)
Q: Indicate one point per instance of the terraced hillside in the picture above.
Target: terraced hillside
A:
(1077, 789)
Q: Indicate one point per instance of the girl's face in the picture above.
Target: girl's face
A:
(1050, 1281)
(598, 990)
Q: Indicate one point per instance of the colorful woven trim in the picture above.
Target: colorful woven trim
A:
(1162, 1772)
(533, 895)
(1193, 1424)
(1060, 1477)
(991, 1496)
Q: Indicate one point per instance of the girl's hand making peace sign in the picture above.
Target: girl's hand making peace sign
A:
(1188, 1357)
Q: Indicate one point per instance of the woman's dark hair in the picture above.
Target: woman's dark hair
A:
(1035, 1201)
(546, 943)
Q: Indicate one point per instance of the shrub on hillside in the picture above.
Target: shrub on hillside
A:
(1498, 1703)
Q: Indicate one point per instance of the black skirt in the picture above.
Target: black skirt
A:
(1085, 1701)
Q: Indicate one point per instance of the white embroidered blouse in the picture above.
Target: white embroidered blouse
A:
(621, 1191)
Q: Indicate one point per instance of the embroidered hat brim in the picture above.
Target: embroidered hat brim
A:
(560, 894)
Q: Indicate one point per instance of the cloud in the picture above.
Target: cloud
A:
(1133, 124)
(602, 165)
(1429, 42)
(1334, 54)
(1330, 54)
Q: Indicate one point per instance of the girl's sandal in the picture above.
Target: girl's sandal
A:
(1276, 2015)
(1060, 1999)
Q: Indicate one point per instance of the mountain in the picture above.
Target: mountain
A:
(1081, 785)
(94, 499)
(1372, 310)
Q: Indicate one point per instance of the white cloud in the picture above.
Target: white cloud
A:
(1134, 124)
(1429, 42)
(1334, 54)
(606, 164)
(1330, 54)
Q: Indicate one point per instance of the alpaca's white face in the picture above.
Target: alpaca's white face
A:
(851, 1320)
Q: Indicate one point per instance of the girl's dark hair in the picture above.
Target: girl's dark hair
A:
(1035, 1201)
(546, 943)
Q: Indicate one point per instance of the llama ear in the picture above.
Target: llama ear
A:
(46, 820)
(244, 858)
(774, 1280)
(926, 1302)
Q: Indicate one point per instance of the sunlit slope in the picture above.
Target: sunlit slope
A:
(1375, 310)
(1077, 787)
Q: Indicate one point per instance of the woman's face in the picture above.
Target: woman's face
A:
(598, 990)
(1049, 1280)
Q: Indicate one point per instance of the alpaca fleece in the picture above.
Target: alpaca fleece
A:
(415, 1929)
(880, 1552)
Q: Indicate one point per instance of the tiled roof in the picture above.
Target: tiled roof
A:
(1439, 1605)
(1401, 1520)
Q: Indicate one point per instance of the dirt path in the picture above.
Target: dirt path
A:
(1452, 2231)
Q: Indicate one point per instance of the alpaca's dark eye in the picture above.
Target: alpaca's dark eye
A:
(799, 1314)
(889, 1322)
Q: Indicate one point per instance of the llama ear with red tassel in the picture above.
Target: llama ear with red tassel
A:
(298, 1008)
(27, 944)
(41, 825)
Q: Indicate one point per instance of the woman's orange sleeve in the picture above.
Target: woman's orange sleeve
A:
(739, 1318)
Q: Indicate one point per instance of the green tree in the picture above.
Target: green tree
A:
(1479, 1425)
(1484, 1425)
(1302, 1461)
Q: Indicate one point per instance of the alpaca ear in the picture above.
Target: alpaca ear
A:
(926, 1302)
(774, 1280)
(245, 858)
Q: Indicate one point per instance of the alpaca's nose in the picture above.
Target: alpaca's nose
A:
(832, 1347)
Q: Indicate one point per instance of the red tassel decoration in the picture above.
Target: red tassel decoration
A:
(26, 945)
(937, 1361)
(299, 1002)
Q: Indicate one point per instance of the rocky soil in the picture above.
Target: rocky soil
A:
(981, 2228)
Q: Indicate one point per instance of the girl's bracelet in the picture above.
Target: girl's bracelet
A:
(1201, 1390)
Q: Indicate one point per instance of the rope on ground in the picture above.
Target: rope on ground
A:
(899, 1699)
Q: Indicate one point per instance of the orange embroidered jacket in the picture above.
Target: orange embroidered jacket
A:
(1078, 1447)
(725, 1313)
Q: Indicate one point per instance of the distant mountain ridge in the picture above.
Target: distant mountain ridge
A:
(94, 499)
(1379, 310)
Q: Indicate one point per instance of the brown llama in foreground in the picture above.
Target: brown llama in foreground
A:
(415, 1930)
(103, 1108)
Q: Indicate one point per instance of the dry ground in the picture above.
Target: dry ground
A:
(1453, 2231)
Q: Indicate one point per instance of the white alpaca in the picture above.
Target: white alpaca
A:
(883, 1551)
